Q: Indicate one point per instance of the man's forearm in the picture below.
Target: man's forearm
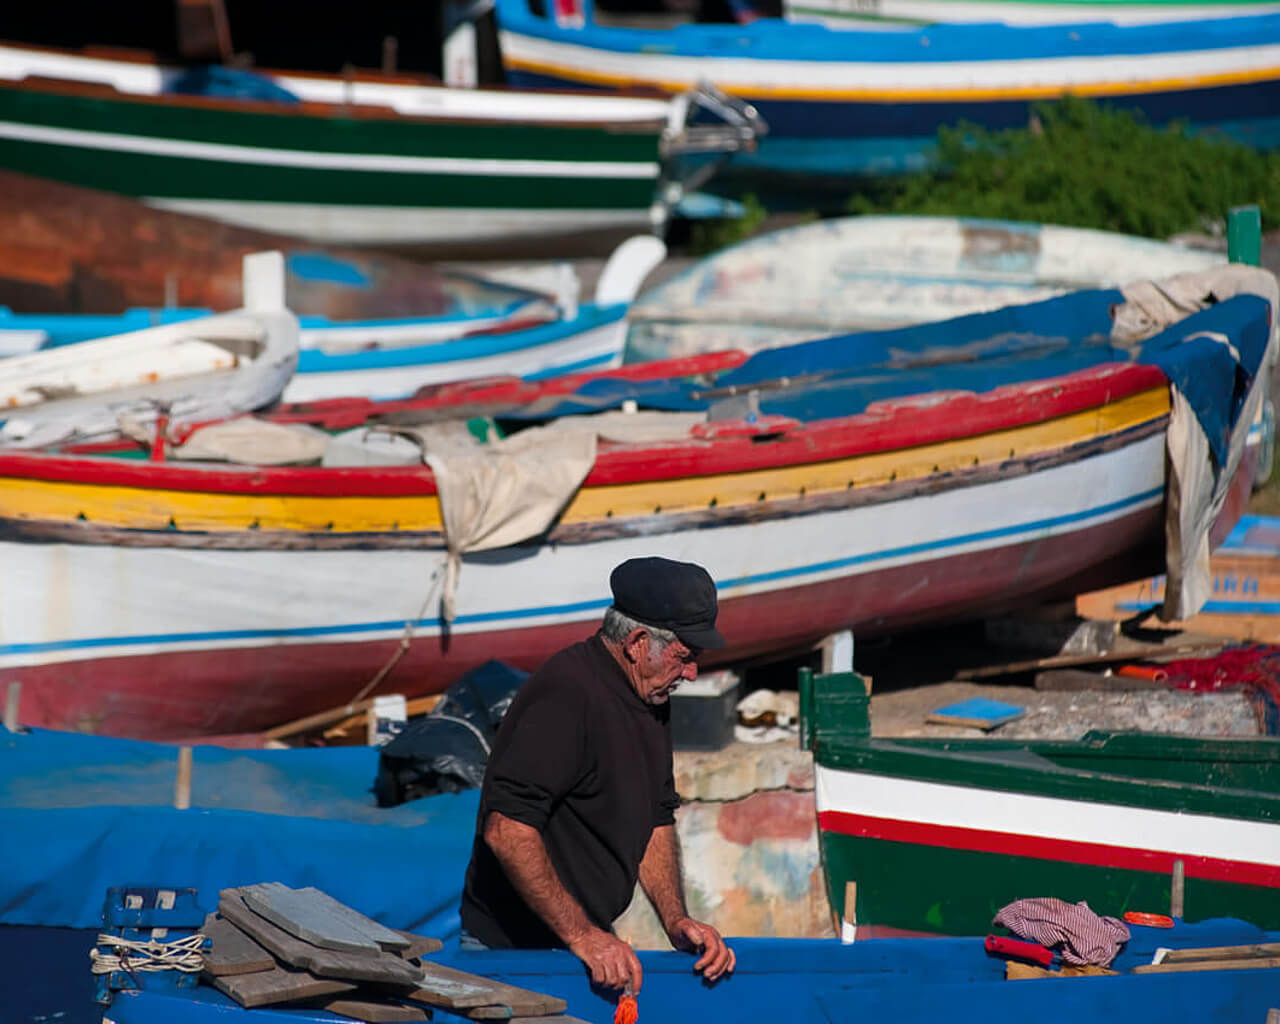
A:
(523, 856)
(660, 876)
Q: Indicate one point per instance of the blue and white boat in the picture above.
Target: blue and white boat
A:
(871, 100)
(526, 335)
(880, 273)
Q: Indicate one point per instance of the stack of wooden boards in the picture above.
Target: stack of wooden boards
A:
(1170, 961)
(1213, 958)
(271, 945)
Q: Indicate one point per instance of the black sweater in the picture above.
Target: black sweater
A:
(581, 758)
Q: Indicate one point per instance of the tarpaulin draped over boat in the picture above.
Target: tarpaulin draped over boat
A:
(81, 813)
(1220, 377)
(498, 494)
(1218, 360)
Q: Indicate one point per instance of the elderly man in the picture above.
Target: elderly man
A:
(579, 799)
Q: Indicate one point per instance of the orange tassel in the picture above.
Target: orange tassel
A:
(627, 1012)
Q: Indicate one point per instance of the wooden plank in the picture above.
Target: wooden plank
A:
(1221, 952)
(413, 708)
(1015, 971)
(1245, 963)
(318, 918)
(477, 996)
(329, 963)
(451, 989)
(279, 985)
(182, 781)
(374, 1011)
(279, 732)
(1074, 679)
(231, 951)
(1143, 652)
(387, 938)
(418, 945)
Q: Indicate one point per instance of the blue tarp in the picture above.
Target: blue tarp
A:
(912, 981)
(216, 80)
(79, 814)
(843, 375)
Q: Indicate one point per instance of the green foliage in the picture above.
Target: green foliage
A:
(713, 235)
(1086, 165)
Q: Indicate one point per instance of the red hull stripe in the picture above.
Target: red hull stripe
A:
(888, 426)
(1039, 848)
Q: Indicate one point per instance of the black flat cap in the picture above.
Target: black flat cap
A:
(678, 596)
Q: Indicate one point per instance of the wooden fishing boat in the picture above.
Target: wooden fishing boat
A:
(522, 333)
(366, 160)
(860, 13)
(934, 835)
(395, 360)
(867, 481)
(845, 103)
(871, 273)
(200, 368)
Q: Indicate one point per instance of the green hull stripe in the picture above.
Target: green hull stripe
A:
(217, 152)
(187, 178)
(957, 892)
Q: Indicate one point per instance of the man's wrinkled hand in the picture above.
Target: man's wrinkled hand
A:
(716, 960)
(611, 961)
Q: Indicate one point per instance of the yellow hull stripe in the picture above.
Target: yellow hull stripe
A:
(143, 508)
(757, 90)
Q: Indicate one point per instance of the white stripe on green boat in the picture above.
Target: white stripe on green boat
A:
(312, 160)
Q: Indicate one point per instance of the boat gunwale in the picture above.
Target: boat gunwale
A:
(140, 58)
(905, 424)
(88, 531)
(936, 767)
(316, 110)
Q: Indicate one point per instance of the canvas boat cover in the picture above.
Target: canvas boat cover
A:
(1211, 332)
(81, 813)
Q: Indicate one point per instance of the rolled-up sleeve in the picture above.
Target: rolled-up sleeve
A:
(542, 759)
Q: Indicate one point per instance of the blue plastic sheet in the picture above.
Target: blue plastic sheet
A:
(843, 375)
(912, 981)
(79, 814)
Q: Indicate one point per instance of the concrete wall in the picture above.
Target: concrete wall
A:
(748, 832)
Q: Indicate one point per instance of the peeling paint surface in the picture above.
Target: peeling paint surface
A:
(748, 833)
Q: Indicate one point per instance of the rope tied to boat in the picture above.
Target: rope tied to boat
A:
(185, 954)
(406, 638)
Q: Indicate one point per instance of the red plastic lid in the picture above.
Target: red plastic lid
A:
(1150, 920)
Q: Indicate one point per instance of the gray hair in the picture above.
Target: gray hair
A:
(617, 625)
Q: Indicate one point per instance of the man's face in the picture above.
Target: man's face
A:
(663, 669)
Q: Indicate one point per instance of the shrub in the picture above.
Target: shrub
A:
(1086, 165)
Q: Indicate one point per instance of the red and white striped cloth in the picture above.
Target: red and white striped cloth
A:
(1084, 937)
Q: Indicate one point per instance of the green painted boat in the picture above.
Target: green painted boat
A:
(930, 835)
(357, 160)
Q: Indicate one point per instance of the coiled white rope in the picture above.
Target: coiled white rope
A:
(185, 954)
